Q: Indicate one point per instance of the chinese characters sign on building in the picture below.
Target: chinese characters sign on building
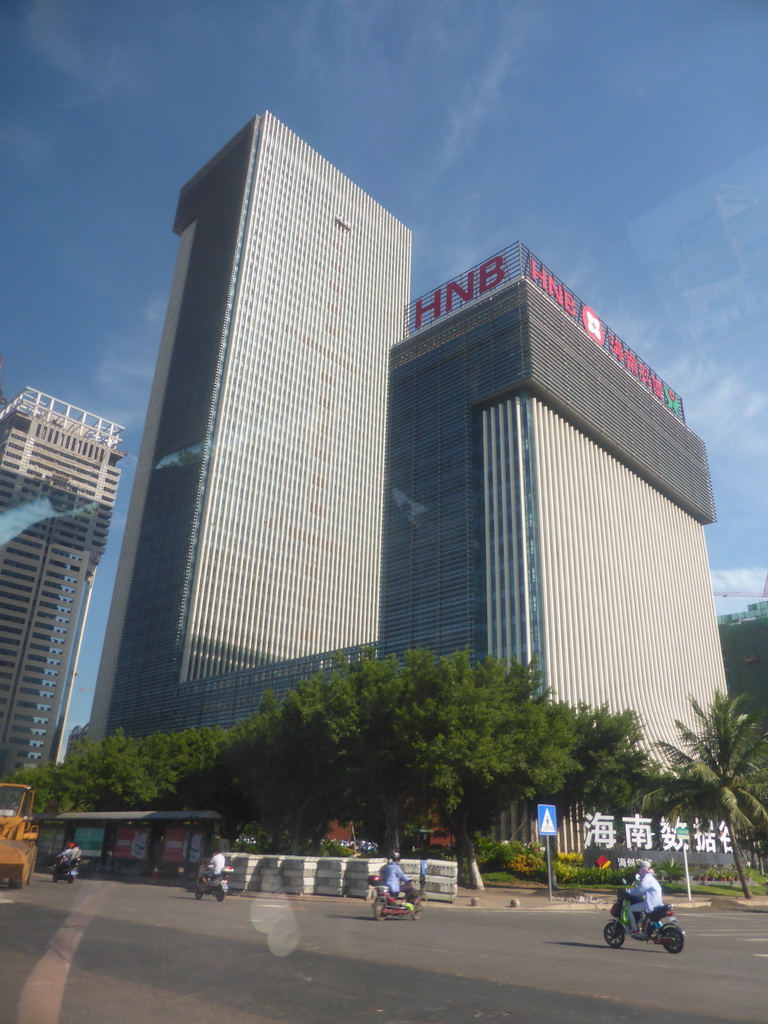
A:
(512, 263)
(637, 833)
(602, 335)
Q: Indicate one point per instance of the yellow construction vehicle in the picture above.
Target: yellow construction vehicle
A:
(18, 836)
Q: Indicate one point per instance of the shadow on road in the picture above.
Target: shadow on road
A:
(583, 945)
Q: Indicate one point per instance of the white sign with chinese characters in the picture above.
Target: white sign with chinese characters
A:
(637, 833)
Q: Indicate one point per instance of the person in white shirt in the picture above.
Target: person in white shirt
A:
(646, 895)
(216, 866)
(70, 853)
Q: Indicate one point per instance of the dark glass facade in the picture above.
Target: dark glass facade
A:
(434, 502)
(150, 652)
(448, 381)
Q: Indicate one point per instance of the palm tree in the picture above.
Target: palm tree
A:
(719, 771)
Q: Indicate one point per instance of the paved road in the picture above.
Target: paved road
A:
(117, 953)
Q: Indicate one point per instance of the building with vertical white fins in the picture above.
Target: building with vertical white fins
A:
(59, 471)
(545, 499)
(254, 530)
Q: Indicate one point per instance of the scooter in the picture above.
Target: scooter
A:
(213, 885)
(659, 927)
(65, 868)
(387, 905)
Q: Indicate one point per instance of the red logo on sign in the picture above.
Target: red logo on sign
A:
(592, 325)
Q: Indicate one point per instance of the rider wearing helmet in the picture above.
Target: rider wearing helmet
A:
(396, 879)
(646, 895)
(71, 853)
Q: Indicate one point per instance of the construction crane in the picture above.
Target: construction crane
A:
(734, 594)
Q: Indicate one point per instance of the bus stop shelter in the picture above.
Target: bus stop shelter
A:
(168, 844)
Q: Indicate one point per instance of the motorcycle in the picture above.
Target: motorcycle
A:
(65, 868)
(659, 927)
(213, 885)
(387, 905)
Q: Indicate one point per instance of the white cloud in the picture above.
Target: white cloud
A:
(479, 101)
(726, 405)
(739, 582)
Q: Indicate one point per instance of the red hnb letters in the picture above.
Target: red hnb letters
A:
(454, 294)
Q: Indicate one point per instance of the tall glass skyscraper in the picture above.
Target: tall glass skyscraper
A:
(544, 498)
(254, 530)
(59, 471)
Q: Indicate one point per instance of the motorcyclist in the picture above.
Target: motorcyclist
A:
(66, 860)
(69, 855)
(396, 879)
(646, 895)
(215, 867)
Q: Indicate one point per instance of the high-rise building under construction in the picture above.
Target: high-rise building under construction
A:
(254, 528)
(59, 471)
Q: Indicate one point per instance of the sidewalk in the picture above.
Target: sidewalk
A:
(501, 897)
(515, 899)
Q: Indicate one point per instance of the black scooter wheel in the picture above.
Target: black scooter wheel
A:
(220, 895)
(378, 909)
(672, 939)
(613, 933)
(198, 894)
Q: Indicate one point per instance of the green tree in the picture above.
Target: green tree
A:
(49, 784)
(193, 776)
(609, 762)
(485, 735)
(720, 771)
(286, 760)
(178, 770)
(378, 758)
(111, 775)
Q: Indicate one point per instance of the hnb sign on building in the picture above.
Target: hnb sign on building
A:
(517, 261)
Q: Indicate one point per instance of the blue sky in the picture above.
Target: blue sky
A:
(625, 143)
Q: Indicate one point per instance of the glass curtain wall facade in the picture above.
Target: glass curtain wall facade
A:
(59, 471)
(254, 532)
(545, 500)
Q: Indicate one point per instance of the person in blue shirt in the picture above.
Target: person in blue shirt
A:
(646, 895)
(396, 879)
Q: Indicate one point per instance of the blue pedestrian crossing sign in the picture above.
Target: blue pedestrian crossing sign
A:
(547, 820)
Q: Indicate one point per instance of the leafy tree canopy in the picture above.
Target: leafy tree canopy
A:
(719, 771)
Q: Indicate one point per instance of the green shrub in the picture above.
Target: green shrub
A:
(606, 877)
(333, 848)
(493, 855)
(575, 859)
(253, 839)
(670, 870)
(528, 864)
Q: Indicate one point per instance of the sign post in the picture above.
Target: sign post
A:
(684, 833)
(548, 827)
